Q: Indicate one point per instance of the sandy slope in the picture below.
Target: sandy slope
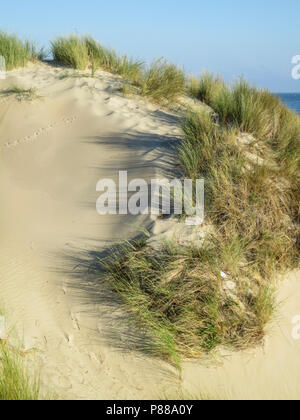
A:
(54, 150)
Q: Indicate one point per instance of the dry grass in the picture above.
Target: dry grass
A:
(15, 52)
(20, 93)
(205, 88)
(38, 54)
(163, 82)
(178, 294)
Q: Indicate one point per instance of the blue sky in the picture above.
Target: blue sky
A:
(254, 39)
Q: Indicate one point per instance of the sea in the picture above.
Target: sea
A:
(292, 100)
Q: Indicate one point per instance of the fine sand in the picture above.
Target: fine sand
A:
(54, 150)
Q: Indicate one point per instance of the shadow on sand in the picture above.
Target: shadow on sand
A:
(143, 155)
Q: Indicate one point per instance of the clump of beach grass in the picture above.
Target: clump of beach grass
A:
(21, 93)
(258, 112)
(82, 53)
(18, 53)
(15, 52)
(187, 396)
(15, 383)
(163, 82)
(108, 59)
(70, 51)
(205, 88)
(37, 54)
(178, 293)
(251, 110)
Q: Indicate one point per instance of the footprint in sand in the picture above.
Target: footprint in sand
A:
(70, 339)
(75, 322)
(38, 133)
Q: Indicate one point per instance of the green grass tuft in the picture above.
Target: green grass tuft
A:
(71, 51)
(38, 54)
(15, 384)
(15, 52)
(178, 293)
(163, 82)
(205, 88)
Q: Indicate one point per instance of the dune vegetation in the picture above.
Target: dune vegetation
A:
(15, 51)
(160, 81)
(18, 53)
(258, 112)
(82, 53)
(193, 298)
(20, 93)
(15, 383)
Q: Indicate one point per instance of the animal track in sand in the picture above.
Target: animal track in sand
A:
(97, 359)
(43, 130)
(75, 322)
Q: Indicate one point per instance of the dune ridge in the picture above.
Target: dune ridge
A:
(70, 324)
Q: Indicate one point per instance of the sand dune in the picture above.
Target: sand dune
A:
(54, 150)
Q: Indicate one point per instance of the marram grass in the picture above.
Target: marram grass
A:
(15, 52)
(160, 82)
(82, 53)
(21, 93)
(163, 82)
(15, 382)
(177, 293)
(71, 51)
(18, 53)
